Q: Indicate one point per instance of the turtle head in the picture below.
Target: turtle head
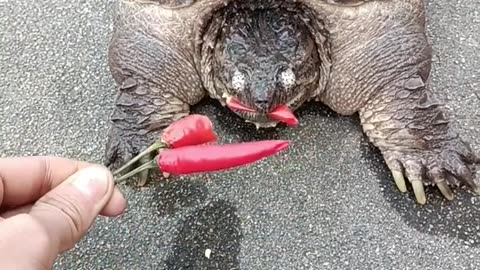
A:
(265, 59)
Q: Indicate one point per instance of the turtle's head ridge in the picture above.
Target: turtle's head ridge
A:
(264, 59)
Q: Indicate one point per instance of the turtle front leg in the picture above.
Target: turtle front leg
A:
(157, 81)
(137, 121)
(384, 76)
(416, 138)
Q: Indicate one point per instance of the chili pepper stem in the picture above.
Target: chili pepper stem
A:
(149, 165)
(143, 177)
(151, 148)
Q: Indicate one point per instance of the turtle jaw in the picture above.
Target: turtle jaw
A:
(266, 119)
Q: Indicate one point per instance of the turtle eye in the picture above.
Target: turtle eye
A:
(238, 81)
(288, 78)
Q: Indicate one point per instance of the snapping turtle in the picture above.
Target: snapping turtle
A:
(369, 57)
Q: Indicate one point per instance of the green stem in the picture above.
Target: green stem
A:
(149, 165)
(143, 178)
(151, 148)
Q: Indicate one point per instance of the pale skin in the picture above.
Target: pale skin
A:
(47, 204)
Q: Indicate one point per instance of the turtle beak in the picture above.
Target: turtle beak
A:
(281, 114)
(235, 105)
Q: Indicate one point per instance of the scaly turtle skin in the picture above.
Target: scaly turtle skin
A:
(368, 57)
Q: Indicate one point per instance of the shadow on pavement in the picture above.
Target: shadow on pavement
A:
(454, 219)
(178, 194)
(215, 227)
(438, 217)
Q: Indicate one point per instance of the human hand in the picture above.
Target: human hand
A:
(47, 204)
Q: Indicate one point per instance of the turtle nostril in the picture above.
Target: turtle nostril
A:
(261, 103)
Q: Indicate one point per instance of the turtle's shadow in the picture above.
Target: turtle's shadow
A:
(209, 238)
(455, 219)
(437, 217)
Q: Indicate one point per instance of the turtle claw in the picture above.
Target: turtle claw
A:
(143, 176)
(451, 167)
(419, 191)
(399, 181)
(445, 190)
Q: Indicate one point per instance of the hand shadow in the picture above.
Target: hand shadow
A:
(456, 219)
(176, 193)
(173, 194)
(215, 227)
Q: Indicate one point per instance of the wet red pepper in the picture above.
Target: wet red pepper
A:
(210, 158)
(191, 130)
(285, 115)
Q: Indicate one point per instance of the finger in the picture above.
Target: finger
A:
(59, 219)
(24, 244)
(115, 207)
(69, 210)
(17, 211)
(25, 179)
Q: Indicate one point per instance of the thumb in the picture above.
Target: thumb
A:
(67, 212)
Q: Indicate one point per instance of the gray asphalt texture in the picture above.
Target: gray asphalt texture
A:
(327, 203)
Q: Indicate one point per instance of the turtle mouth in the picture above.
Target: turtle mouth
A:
(280, 114)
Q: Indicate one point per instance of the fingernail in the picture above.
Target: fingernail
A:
(93, 182)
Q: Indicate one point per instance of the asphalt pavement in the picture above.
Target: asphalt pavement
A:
(326, 203)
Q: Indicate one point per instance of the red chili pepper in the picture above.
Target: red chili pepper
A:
(285, 115)
(191, 130)
(210, 158)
